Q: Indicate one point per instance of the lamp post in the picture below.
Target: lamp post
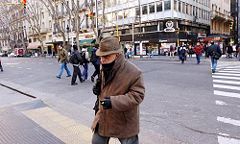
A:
(68, 34)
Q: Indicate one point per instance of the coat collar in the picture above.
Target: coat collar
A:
(117, 65)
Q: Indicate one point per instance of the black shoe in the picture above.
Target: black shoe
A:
(58, 77)
(68, 76)
(213, 71)
(81, 80)
(92, 78)
(74, 84)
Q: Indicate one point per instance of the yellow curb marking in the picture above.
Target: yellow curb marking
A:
(64, 128)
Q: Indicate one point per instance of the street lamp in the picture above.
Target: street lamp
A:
(68, 33)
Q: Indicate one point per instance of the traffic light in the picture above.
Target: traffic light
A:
(90, 14)
(24, 3)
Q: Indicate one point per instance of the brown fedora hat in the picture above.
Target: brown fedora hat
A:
(109, 45)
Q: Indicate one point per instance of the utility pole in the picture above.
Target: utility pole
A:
(96, 20)
(237, 21)
(140, 29)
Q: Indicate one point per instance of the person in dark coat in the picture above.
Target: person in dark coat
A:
(76, 60)
(120, 93)
(215, 53)
(182, 53)
(229, 51)
(96, 63)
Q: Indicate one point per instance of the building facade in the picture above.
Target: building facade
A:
(236, 25)
(151, 26)
(221, 21)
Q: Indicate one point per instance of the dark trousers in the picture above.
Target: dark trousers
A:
(76, 72)
(97, 139)
(97, 69)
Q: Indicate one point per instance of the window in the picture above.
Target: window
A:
(183, 8)
(62, 9)
(159, 6)
(194, 11)
(120, 15)
(151, 28)
(50, 24)
(175, 5)
(180, 6)
(144, 10)
(161, 26)
(167, 5)
(152, 8)
(190, 10)
(187, 9)
(137, 11)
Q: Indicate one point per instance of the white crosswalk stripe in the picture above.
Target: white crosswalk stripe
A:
(226, 84)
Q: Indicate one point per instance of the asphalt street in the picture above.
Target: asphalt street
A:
(181, 105)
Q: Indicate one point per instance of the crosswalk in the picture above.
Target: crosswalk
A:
(226, 84)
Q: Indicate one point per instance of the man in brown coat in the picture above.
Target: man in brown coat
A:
(120, 92)
(63, 59)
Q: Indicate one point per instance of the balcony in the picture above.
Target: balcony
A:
(216, 15)
(44, 30)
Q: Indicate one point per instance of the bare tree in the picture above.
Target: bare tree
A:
(33, 15)
(76, 15)
(13, 25)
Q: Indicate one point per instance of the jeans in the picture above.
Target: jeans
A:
(64, 66)
(198, 57)
(213, 63)
(97, 139)
(85, 71)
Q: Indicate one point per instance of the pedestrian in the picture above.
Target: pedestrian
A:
(120, 92)
(96, 63)
(63, 59)
(229, 51)
(172, 51)
(182, 53)
(76, 60)
(1, 67)
(125, 52)
(198, 49)
(85, 57)
(190, 51)
(237, 50)
(215, 53)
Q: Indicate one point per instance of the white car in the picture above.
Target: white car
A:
(11, 55)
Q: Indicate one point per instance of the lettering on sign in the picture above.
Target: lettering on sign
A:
(169, 27)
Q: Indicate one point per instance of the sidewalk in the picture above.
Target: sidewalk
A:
(72, 106)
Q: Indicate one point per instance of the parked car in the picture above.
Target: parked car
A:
(12, 54)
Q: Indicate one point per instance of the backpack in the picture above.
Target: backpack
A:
(76, 58)
(216, 55)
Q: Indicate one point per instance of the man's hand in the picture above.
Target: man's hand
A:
(106, 103)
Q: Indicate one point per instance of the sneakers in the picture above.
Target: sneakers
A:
(68, 76)
(58, 77)
(213, 71)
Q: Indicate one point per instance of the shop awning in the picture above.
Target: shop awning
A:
(55, 42)
(34, 45)
(87, 41)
